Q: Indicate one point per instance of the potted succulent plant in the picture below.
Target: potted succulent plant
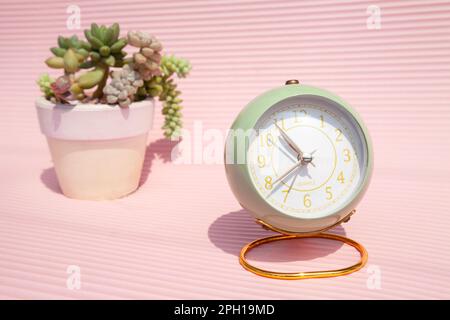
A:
(96, 115)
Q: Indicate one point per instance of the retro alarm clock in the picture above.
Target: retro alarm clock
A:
(299, 159)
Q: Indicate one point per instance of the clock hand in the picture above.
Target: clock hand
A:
(286, 153)
(284, 175)
(308, 158)
(304, 160)
(290, 142)
(292, 184)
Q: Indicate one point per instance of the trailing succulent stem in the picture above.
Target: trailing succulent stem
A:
(146, 74)
(165, 89)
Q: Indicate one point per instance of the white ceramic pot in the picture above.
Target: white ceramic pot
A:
(98, 150)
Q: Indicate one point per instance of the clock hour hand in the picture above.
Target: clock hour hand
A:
(290, 142)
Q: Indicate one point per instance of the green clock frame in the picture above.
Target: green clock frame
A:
(241, 184)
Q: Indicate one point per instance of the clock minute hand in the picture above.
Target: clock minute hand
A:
(298, 164)
(290, 142)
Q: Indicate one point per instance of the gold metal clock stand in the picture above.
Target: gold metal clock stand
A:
(285, 235)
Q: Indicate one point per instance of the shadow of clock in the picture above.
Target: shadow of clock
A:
(231, 231)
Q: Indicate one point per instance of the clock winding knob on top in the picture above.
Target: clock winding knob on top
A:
(292, 81)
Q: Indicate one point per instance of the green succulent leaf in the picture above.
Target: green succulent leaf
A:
(115, 32)
(76, 89)
(59, 52)
(87, 64)
(109, 36)
(83, 52)
(118, 45)
(63, 42)
(154, 92)
(95, 56)
(104, 51)
(91, 79)
(74, 42)
(44, 82)
(55, 62)
(80, 57)
(95, 30)
(171, 64)
(142, 91)
(71, 61)
(85, 45)
(94, 41)
(110, 61)
(102, 34)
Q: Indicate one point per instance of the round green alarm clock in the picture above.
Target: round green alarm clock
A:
(299, 159)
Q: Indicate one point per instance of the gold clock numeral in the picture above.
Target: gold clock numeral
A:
(286, 194)
(329, 193)
(283, 124)
(268, 181)
(347, 155)
(339, 135)
(340, 177)
(322, 122)
(269, 140)
(307, 201)
(266, 140)
(261, 161)
(296, 117)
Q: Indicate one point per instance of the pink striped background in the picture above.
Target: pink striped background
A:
(179, 235)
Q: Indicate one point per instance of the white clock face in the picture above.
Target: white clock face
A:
(308, 156)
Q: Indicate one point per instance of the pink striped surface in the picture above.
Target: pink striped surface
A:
(179, 235)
